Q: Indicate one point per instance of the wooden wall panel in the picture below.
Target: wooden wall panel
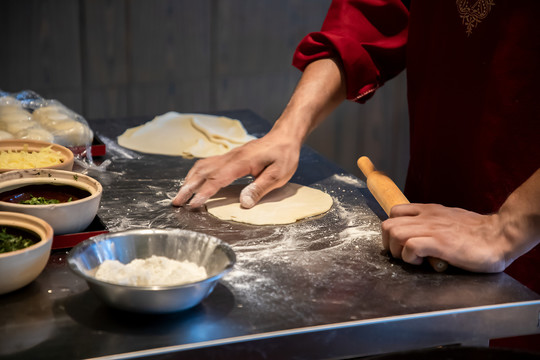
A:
(40, 49)
(255, 42)
(104, 63)
(169, 55)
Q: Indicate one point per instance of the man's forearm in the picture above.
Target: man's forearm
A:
(519, 218)
(320, 90)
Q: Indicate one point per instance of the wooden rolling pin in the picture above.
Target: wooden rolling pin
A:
(387, 194)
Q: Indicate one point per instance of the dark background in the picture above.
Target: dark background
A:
(117, 58)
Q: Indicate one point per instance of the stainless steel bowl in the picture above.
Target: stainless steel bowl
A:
(216, 256)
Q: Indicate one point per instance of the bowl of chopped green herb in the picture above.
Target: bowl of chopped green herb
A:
(25, 246)
(67, 200)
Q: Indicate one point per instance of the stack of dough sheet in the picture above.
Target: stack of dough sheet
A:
(187, 135)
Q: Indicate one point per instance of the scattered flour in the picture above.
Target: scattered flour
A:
(349, 179)
(154, 271)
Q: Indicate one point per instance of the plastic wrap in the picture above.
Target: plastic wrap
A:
(27, 115)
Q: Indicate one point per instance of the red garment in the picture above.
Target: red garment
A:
(368, 36)
(487, 150)
(473, 91)
(474, 103)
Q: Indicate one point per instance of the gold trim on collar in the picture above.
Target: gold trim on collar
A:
(472, 15)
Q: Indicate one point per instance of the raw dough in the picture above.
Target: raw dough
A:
(4, 135)
(285, 205)
(36, 133)
(221, 129)
(63, 125)
(187, 135)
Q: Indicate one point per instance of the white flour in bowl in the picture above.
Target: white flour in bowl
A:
(154, 271)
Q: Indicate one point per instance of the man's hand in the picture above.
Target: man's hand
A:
(463, 238)
(474, 242)
(272, 160)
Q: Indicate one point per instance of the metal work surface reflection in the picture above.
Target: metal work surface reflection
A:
(323, 281)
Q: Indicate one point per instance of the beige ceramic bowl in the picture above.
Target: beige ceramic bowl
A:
(65, 218)
(35, 145)
(21, 267)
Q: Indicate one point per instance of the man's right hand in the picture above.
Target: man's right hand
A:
(271, 160)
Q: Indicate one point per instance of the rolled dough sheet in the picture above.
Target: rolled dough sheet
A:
(221, 129)
(285, 205)
(187, 135)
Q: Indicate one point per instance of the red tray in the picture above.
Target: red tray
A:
(98, 148)
(70, 240)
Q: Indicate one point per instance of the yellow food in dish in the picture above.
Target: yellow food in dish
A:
(24, 159)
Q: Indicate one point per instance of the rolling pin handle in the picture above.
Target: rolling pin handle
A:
(387, 194)
(365, 165)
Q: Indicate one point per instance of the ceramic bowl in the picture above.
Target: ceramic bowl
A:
(216, 256)
(35, 145)
(20, 267)
(65, 218)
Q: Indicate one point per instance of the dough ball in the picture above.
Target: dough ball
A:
(9, 104)
(71, 133)
(19, 115)
(64, 126)
(36, 133)
(4, 135)
(49, 116)
(8, 100)
(9, 109)
(17, 126)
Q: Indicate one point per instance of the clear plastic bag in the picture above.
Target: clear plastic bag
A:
(27, 115)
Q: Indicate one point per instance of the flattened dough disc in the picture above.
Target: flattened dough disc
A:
(285, 205)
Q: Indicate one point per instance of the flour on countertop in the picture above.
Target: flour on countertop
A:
(312, 250)
(349, 179)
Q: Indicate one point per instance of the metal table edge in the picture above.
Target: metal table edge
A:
(532, 307)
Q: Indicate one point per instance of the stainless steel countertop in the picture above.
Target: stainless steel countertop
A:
(320, 288)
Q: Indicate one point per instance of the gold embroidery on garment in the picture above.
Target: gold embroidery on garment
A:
(472, 15)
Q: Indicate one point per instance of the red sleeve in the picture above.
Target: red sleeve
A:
(367, 36)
